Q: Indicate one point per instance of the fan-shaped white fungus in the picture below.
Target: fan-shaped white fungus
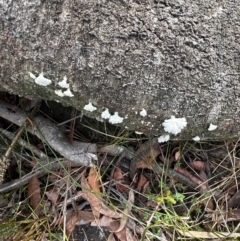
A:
(41, 80)
(59, 93)
(89, 107)
(64, 83)
(32, 75)
(212, 127)
(138, 132)
(143, 112)
(105, 114)
(196, 138)
(68, 93)
(174, 125)
(115, 119)
(163, 138)
(65, 93)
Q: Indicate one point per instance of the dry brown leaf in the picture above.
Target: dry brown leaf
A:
(232, 187)
(145, 156)
(71, 220)
(142, 181)
(234, 201)
(111, 237)
(194, 179)
(145, 187)
(86, 216)
(52, 195)
(96, 203)
(34, 195)
(112, 226)
(93, 180)
(129, 235)
(198, 165)
(203, 185)
(122, 234)
(126, 211)
(118, 176)
(177, 155)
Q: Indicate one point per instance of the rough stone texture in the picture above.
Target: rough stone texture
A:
(169, 57)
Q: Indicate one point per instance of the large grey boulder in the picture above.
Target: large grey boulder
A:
(143, 61)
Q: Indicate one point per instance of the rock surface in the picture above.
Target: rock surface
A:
(142, 62)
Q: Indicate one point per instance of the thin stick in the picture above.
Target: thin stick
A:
(4, 161)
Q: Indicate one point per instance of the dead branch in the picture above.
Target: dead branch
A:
(79, 152)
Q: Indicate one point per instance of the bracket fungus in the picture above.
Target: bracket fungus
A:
(163, 138)
(40, 80)
(115, 119)
(89, 107)
(105, 114)
(212, 127)
(174, 125)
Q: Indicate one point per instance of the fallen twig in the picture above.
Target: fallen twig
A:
(79, 152)
(24, 144)
(4, 160)
(39, 171)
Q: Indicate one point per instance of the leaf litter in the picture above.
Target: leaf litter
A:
(158, 191)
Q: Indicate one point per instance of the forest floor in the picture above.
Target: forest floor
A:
(78, 180)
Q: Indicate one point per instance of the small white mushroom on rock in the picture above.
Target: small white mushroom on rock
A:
(138, 132)
(40, 80)
(105, 114)
(64, 83)
(115, 119)
(163, 138)
(143, 112)
(68, 93)
(89, 107)
(174, 125)
(196, 138)
(59, 93)
(212, 127)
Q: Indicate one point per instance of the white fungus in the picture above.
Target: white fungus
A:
(196, 138)
(41, 80)
(115, 119)
(65, 93)
(105, 114)
(59, 93)
(143, 112)
(89, 107)
(32, 75)
(212, 127)
(138, 132)
(174, 125)
(68, 93)
(64, 83)
(163, 138)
